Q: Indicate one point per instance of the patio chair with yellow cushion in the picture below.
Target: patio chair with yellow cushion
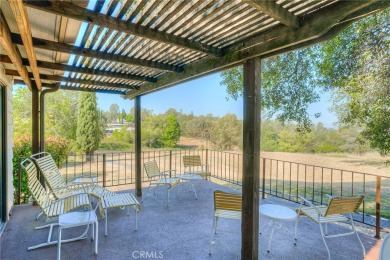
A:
(339, 209)
(193, 164)
(226, 205)
(157, 178)
(52, 207)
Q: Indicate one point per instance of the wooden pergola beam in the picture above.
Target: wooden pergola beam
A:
(315, 26)
(45, 85)
(73, 80)
(65, 48)
(87, 71)
(12, 50)
(82, 14)
(272, 9)
(23, 24)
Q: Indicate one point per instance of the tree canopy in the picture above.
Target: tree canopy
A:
(355, 65)
(88, 130)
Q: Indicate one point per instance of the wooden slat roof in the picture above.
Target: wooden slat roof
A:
(137, 47)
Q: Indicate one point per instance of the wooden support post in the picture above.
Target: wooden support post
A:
(378, 207)
(137, 120)
(263, 181)
(251, 158)
(35, 120)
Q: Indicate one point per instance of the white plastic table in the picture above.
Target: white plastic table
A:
(189, 177)
(77, 219)
(278, 214)
(85, 180)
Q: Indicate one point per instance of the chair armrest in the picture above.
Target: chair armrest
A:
(68, 198)
(164, 174)
(70, 187)
(304, 200)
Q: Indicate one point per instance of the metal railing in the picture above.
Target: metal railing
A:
(279, 178)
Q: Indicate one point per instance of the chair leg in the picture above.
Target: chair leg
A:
(296, 231)
(214, 231)
(136, 219)
(168, 196)
(270, 237)
(354, 229)
(323, 238)
(105, 220)
(59, 243)
(96, 236)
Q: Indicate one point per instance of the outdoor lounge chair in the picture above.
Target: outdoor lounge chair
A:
(57, 184)
(193, 164)
(157, 178)
(51, 207)
(339, 209)
(226, 205)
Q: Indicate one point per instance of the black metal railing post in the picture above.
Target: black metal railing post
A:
(170, 163)
(263, 191)
(104, 170)
(378, 207)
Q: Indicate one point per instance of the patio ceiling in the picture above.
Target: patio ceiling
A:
(137, 47)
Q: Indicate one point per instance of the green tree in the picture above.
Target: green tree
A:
(171, 132)
(113, 111)
(226, 132)
(21, 116)
(123, 135)
(122, 116)
(61, 114)
(357, 65)
(88, 133)
(288, 86)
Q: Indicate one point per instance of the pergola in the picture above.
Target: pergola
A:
(134, 48)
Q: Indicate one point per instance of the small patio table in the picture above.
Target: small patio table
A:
(189, 177)
(77, 219)
(278, 214)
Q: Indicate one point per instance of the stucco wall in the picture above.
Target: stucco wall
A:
(7, 82)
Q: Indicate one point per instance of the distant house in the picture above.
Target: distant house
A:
(117, 126)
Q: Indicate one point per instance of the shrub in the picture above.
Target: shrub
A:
(57, 146)
(110, 144)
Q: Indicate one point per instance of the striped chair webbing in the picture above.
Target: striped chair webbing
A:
(227, 201)
(191, 160)
(51, 208)
(340, 205)
(151, 169)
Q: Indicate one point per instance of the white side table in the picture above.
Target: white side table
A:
(85, 180)
(77, 219)
(278, 214)
(189, 177)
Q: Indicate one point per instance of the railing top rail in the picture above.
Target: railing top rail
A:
(325, 167)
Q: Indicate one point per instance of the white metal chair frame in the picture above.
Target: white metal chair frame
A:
(193, 163)
(226, 205)
(157, 178)
(342, 212)
(53, 208)
(57, 184)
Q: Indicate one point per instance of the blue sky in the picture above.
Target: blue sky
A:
(203, 96)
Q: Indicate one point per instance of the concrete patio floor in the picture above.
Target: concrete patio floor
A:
(182, 231)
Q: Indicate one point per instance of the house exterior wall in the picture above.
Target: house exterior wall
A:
(6, 81)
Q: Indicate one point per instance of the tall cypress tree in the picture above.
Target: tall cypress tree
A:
(88, 135)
